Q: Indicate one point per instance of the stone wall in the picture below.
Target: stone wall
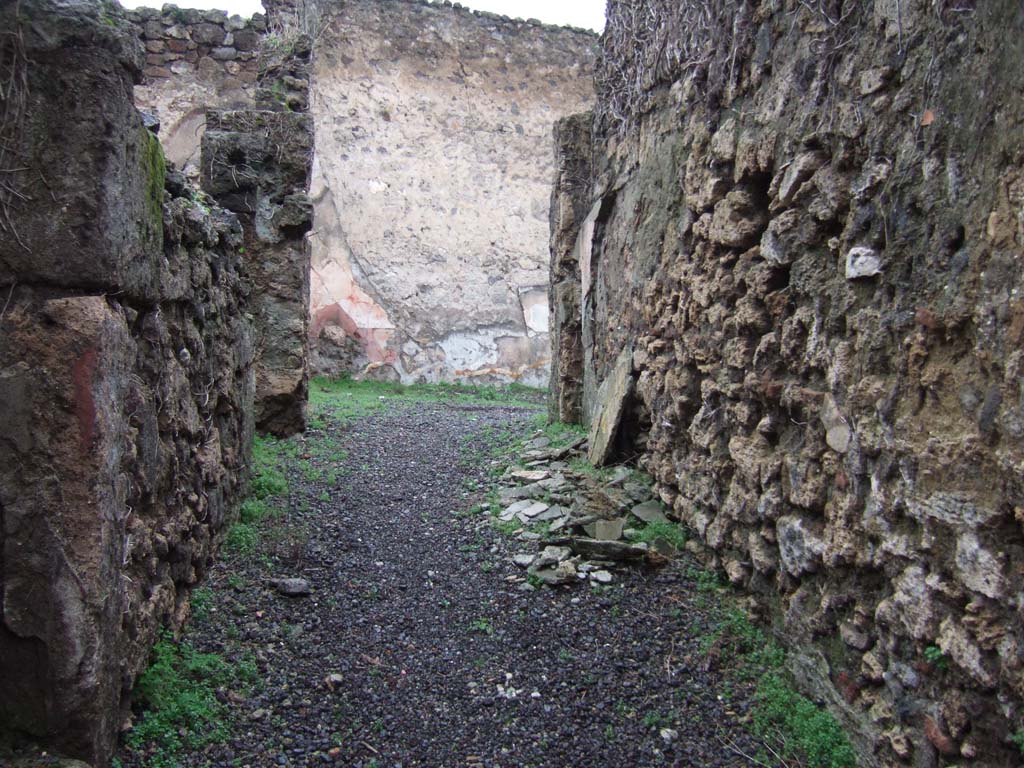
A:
(195, 60)
(570, 201)
(809, 227)
(126, 384)
(256, 162)
(432, 184)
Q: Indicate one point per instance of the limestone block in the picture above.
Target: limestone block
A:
(108, 233)
(978, 568)
(62, 542)
(862, 262)
(739, 219)
(837, 429)
(800, 545)
(955, 641)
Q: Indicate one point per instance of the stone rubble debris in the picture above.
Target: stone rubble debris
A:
(582, 527)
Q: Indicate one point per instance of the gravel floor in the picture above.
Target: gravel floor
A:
(438, 657)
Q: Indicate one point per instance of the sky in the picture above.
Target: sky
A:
(588, 14)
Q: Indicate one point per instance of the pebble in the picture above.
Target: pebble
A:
(398, 659)
(291, 587)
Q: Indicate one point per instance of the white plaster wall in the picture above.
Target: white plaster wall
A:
(432, 182)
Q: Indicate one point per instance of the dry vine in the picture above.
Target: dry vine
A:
(649, 44)
(13, 102)
(301, 17)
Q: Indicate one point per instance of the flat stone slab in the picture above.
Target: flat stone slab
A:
(552, 513)
(531, 491)
(605, 530)
(511, 511)
(552, 556)
(664, 547)
(612, 398)
(530, 475)
(556, 576)
(608, 550)
(619, 475)
(534, 509)
(637, 491)
(649, 512)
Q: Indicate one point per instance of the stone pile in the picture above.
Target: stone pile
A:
(579, 527)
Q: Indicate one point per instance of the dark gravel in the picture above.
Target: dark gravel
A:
(414, 612)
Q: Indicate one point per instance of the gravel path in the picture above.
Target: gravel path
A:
(418, 645)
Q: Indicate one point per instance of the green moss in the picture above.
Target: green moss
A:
(155, 168)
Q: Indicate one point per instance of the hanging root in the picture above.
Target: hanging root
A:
(652, 44)
(649, 44)
(13, 101)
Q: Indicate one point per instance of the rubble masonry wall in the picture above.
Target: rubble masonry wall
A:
(807, 222)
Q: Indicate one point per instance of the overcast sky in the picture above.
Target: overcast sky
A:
(588, 14)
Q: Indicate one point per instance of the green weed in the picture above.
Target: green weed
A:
(560, 433)
(622, 709)
(201, 601)
(267, 480)
(671, 532)
(182, 711)
(800, 726)
(934, 656)
(482, 625)
(655, 719)
(507, 527)
(255, 510)
(707, 581)
(802, 732)
(309, 472)
(241, 539)
(1018, 739)
(345, 399)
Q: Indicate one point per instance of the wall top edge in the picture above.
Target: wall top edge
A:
(217, 16)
